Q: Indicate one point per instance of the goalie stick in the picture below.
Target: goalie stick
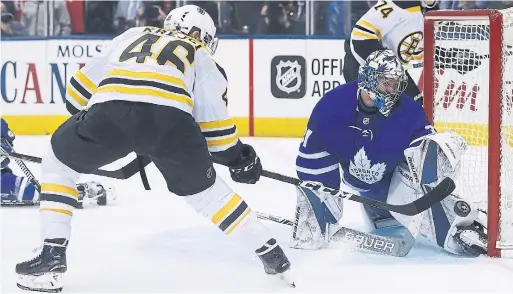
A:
(366, 242)
(437, 194)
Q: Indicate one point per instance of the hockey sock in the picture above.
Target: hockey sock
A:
(231, 214)
(59, 196)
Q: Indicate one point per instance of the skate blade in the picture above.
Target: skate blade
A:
(287, 278)
(49, 282)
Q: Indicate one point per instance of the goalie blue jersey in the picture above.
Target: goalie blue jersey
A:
(366, 145)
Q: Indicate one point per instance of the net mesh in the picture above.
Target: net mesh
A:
(461, 104)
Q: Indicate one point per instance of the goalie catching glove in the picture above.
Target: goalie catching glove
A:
(435, 157)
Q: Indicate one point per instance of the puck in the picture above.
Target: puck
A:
(461, 208)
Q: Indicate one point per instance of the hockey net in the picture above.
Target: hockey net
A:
(468, 88)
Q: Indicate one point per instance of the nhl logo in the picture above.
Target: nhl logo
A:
(288, 77)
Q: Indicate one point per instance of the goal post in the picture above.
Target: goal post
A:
(468, 88)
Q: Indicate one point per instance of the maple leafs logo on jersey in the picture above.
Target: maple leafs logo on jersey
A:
(362, 169)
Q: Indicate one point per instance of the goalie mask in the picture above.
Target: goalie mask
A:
(383, 78)
(191, 18)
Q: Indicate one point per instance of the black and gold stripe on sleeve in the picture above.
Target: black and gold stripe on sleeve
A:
(146, 83)
(231, 214)
(365, 30)
(220, 135)
(58, 198)
(78, 92)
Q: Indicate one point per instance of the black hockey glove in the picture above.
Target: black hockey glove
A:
(248, 168)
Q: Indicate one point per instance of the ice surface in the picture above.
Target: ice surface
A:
(152, 241)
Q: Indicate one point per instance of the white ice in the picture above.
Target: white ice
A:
(152, 241)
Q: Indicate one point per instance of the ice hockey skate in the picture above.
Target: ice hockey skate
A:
(472, 238)
(44, 272)
(94, 192)
(275, 262)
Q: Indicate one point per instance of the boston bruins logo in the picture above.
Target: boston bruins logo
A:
(407, 48)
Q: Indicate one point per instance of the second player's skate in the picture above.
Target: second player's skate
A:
(275, 262)
(94, 192)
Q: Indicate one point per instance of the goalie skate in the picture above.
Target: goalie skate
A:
(472, 239)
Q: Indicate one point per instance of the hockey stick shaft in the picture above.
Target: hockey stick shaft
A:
(26, 171)
(122, 173)
(366, 242)
(276, 219)
(142, 171)
(440, 192)
(25, 157)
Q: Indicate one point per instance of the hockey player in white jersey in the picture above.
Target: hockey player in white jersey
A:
(387, 151)
(394, 25)
(159, 93)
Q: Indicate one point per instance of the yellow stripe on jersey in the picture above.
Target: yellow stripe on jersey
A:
(147, 75)
(413, 9)
(86, 82)
(226, 209)
(75, 96)
(64, 211)
(359, 33)
(218, 124)
(222, 142)
(56, 188)
(220, 135)
(123, 89)
(367, 25)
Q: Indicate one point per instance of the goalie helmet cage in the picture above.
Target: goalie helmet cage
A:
(468, 88)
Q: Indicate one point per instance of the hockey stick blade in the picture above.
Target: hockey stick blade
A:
(439, 193)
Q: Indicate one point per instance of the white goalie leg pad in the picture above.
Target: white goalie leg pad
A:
(231, 214)
(49, 282)
(307, 232)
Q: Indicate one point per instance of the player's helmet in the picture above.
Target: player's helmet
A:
(429, 3)
(383, 78)
(191, 18)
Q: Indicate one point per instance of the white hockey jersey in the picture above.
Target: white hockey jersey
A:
(153, 65)
(396, 26)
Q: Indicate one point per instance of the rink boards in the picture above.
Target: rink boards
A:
(273, 83)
